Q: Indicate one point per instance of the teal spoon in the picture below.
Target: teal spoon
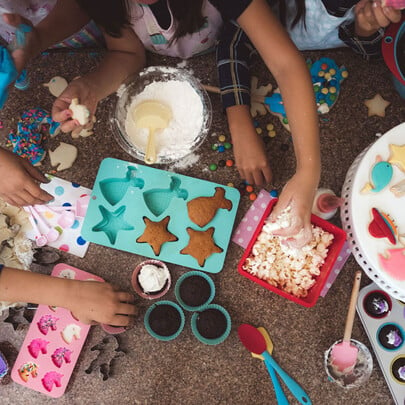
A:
(254, 341)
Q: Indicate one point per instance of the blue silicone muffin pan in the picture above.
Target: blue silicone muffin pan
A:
(128, 198)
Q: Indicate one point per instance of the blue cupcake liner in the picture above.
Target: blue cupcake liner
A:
(189, 274)
(152, 332)
(205, 340)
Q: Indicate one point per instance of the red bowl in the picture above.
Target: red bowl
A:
(333, 253)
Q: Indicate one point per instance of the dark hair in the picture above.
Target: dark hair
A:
(113, 15)
(301, 11)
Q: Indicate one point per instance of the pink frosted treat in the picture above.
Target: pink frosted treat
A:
(46, 322)
(51, 378)
(397, 4)
(36, 346)
(60, 354)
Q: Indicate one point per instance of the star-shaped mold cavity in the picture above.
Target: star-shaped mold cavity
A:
(397, 157)
(156, 234)
(112, 223)
(201, 245)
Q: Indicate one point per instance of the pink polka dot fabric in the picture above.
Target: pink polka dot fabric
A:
(247, 226)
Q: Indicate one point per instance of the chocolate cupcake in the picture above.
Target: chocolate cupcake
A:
(390, 336)
(164, 320)
(211, 325)
(194, 290)
(377, 304)
(151, 279)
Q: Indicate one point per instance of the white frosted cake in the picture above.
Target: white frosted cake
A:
(374, 211)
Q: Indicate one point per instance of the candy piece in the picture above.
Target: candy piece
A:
(70, 332)
(79, 112)
(51, 378)
(377, 105)
(63, 156)
(36, 346)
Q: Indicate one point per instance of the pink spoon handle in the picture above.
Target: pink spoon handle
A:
(40, 239)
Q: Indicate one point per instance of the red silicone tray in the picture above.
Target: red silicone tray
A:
(334, 250)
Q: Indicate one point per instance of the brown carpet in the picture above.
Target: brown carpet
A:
(185, 371)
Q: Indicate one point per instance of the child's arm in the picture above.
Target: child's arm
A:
(66, 18)
(19, 181)
(89, 301)
(292, 76)
(125, 57)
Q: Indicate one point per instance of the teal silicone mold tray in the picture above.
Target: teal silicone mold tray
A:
(161, 214)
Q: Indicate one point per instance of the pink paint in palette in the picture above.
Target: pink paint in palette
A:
(53, 343)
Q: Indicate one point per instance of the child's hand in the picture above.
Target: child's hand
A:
(32, 47)
(370, 16)
(249, 151)
(97, 302)
(81, 89)
(298, 193)
(19, 181)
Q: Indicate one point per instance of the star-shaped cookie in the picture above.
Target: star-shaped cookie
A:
(156, 234)
(201, 245)
(376, 105)
(397, 157)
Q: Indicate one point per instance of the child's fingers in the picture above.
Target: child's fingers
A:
(381, 20)
(37, 194)
(69, 126)
(125, 297)
(127, 309)
(120, 320)
(34, 172)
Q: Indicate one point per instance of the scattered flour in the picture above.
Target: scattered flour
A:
(179, 137)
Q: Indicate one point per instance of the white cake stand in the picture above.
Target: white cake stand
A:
(363, 247)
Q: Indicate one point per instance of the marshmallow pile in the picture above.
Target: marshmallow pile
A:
(289, 269)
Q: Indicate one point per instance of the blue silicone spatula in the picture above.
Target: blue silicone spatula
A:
(254, 341)
(280, 395)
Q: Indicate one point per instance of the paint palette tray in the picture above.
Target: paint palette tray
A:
(53, 343)
(161, 215)
(383, 318)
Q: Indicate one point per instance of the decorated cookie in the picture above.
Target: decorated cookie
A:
(79, 112)
(376, 105)
(56, 85)
(156, 234)
(63, 156)
(201, 245)
(381, 175)
(46, 323)
(50, 379)
(202, 210)
(382, 226)
(70, 332)
(398, 189)
(393, 262)
(36, 346)
(397, 157)
(60, 355)
(28, 370)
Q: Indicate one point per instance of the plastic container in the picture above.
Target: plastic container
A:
(326, 203)
(146, 77)
(333, 254)
(201, 288)
(356, 376)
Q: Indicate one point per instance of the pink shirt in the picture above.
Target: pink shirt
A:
(156, 39)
